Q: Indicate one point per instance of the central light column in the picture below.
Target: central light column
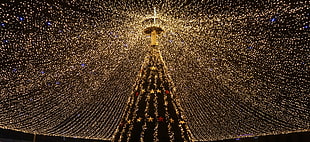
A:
(153, 38)
(153, 31)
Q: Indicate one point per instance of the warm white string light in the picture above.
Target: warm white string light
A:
(240, 68)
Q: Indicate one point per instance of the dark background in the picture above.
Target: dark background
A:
(14, 136)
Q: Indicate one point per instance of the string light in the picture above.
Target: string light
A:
(239, 68)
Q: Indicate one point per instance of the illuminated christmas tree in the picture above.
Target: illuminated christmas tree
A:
(153, 112)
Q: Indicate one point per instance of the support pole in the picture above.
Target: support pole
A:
(34, 137)
(153, 38)
(153, 31)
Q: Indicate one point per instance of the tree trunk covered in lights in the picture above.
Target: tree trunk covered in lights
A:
(153, 113)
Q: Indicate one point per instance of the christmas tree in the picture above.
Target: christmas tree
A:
(153, 112)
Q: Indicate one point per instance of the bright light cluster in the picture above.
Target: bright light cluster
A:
(240, 68)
